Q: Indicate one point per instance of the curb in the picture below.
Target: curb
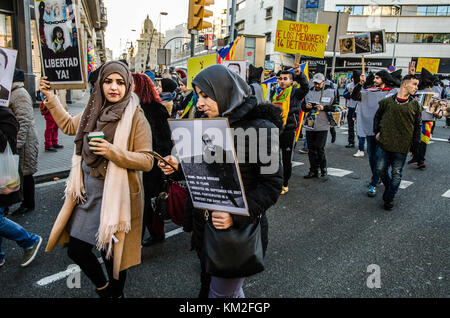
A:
(50, 175)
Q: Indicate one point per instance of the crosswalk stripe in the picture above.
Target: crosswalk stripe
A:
(439, 139)
(296, 163)
(446, 194)
(404, 184)
(338, 172)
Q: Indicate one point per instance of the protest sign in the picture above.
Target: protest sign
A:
(431, 65)
(206, 153)
(197, 64)
(7, 66)
(372, 42)
(308, 39)
(239, 67)
(62, 57)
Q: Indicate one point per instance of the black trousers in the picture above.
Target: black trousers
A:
(81, 253)
(351, 125)
(287, 144)
(316, 149)
(28, 192)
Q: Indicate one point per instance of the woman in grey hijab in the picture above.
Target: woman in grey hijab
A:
(222, 93)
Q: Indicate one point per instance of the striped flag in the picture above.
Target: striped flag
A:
(426, 131)
(227, 52)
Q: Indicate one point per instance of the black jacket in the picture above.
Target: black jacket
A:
(262, 190)
(157, 116)
(9, 127)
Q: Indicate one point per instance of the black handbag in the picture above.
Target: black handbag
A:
(233, 253)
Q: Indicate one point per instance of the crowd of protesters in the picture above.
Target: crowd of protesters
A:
(115, 180)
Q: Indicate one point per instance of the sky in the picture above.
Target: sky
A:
(125, 16)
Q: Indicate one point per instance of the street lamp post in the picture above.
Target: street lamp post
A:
(160, 30)
(396, 35)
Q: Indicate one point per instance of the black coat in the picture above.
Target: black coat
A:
(262, 190)
(9, 127)
(157, 116)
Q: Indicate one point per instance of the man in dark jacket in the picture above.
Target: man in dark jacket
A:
(320, 100)
(397, 126)
(8, 229)
(290, 104)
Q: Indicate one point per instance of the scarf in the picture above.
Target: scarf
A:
(116, 205)
(282, 98)
(99, 115)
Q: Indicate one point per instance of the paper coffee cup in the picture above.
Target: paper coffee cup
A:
(96, 134)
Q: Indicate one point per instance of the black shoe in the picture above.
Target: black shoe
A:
(20, 210)
(58, 146)
(311, 175)
(388, 205)
(51, 149)
(152, 241)
(323, 173)
(333, 139)
(350, 146)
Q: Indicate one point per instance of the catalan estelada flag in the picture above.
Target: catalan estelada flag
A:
(426, 131)
(227, 52)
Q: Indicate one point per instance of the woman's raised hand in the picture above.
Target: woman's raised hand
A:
(44, 87)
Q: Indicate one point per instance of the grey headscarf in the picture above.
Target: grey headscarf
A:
(223, 86)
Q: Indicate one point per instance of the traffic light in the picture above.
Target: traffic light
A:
(197, 13)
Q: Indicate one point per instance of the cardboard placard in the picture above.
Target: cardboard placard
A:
(239, 67)
(62, 54)
(207, 156)
(372, 42)
(308, 39)
(432, 65)
(197, 64)
(7, 66)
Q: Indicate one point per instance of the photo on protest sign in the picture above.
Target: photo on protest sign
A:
(424, 98)
(60, 44)
(377, 42)
(436, 106)
(238, 67)
(206, 153)
(346, 44)
(7, 66)
(362, 43)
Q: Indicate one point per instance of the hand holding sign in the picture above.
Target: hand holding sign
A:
(44, 87)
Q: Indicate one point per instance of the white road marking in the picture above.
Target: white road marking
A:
(344, 132)
(439, 139)
(430, 142)
(446, 194)
(404, 184)
(338, 172)
(296, 163)
(76, 269)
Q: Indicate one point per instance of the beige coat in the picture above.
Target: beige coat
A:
(127, 252)
(27, 142)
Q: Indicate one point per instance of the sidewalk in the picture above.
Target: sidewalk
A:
(56, 164)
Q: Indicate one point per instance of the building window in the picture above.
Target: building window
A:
(340, 8)
(433, 10)
(240, 5)
(369, 10)
(6, 38)
(269, 13)
(432, 38)
(268, 36)
(289, 15)
(240, 25)
(391, 37)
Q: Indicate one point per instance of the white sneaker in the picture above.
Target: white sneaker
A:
(359, 154)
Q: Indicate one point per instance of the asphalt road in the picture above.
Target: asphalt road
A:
(326, 236)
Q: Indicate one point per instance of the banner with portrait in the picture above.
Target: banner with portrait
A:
(372, 42)
(7, 66)
(205, 150)
(62, 58)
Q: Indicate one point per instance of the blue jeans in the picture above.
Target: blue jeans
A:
(361, 142)
(373, 150)
(15, 232)
(391, 183)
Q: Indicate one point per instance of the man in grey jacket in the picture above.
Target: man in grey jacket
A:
(320, 99)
